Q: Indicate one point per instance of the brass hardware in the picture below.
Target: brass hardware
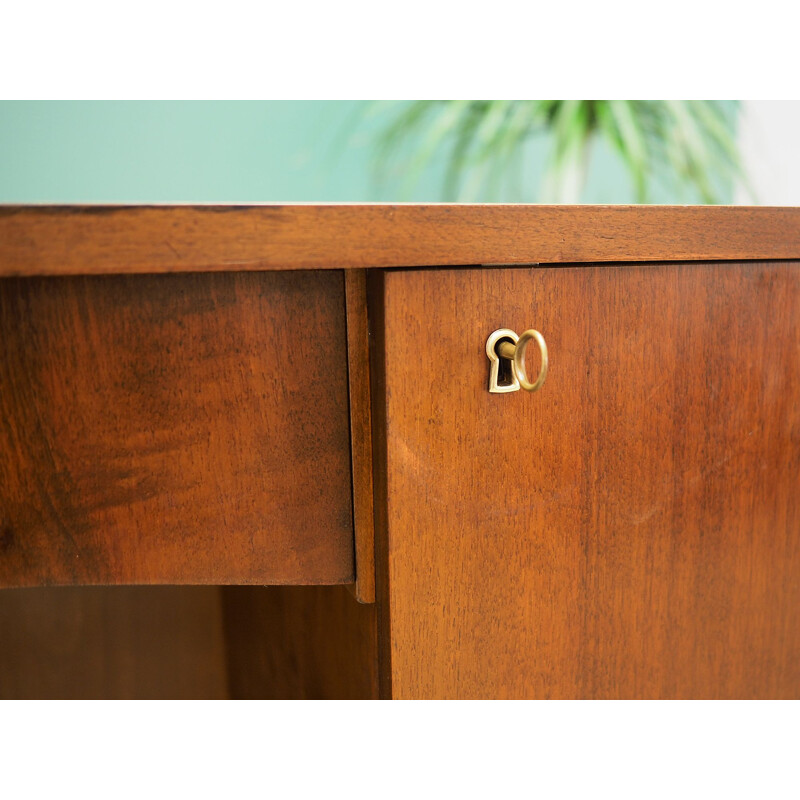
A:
(499, 347)
(512, 384)
(506, 350)
(519, 360)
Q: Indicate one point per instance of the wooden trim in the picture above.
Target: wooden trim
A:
(355, 287)
(377, 361)
(68, 240)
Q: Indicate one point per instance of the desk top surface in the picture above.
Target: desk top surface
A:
(75, 240)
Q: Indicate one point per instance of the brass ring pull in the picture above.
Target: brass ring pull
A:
(519, 360)
(506, 344)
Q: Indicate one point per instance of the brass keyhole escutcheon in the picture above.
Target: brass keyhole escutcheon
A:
(507, 381)
(506, 352)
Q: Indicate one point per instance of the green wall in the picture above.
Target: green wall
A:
(292, 151)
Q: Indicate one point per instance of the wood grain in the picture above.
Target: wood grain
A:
(300, 643)
(355, 282)
(379, 388)
(630, 531)
(174, 429)
(154, 642)
(61, 240)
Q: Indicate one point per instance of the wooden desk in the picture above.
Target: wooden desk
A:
(281, 414)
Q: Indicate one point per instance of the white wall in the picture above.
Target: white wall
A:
(769, 139)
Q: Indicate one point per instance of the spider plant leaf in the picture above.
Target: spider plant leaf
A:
(571, 130)
(490, 130)
(696, 149)
(608, 127)
(568, 131)
(720, 132)
(450, 115)
(403, 126)
(633, 142)
(459, 156)
(717, 129)
(522, 119)
(483, 142)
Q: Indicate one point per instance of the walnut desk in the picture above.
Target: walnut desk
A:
(252, 451)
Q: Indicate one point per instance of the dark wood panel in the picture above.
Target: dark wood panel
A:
(112, 239)
(119, 642)
(174, 429)
(300, 642)
(633, 529)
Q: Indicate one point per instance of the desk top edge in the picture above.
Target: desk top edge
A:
(126, 239)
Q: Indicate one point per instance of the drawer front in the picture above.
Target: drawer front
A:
(174, 429)
(630, 530)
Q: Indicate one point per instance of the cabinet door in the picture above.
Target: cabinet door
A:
(632, 530)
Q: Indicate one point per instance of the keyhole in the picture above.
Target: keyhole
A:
(505, 368)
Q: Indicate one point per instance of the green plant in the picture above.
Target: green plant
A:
(688, 142)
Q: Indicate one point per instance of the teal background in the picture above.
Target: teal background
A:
(248, 151)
